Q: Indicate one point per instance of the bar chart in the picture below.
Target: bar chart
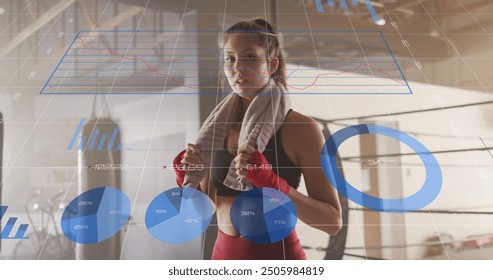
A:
(9, 226)
(104, 141)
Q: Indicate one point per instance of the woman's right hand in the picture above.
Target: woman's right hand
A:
(188, 160)
(192, 158)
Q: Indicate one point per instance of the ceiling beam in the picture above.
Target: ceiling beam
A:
(485, 4)
(34, 15)
(89, 21)
(476, 25)
(172, 6)
(108, 25)
(474, 7)
(391, 7)
(35, 26)
(398, 6)
(401, 7)
(121, 18)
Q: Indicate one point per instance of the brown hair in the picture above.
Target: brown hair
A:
(266, 38)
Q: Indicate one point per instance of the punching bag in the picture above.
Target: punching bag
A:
(104, 150)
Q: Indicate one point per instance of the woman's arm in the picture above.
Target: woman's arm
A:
(206, 188)
(192, 156)
(321, 208)
(303, 142)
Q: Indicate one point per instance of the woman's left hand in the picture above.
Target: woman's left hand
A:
(245, 152)
(254, 166)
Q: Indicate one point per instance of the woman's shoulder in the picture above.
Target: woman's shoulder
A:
(300, 135)
(298, 127)
(296, 120)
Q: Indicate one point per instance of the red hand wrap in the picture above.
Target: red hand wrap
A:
(262, 177)
(180, 174)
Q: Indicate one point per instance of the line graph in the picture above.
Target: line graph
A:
(160, 62)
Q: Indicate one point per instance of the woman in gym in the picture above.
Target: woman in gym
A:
(252, 138)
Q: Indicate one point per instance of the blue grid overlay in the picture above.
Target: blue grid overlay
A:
(165, 61)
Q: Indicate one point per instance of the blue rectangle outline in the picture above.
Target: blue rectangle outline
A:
(63, 57)
(379, 32)
(397, 64)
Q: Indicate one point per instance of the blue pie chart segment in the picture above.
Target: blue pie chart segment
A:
(179, 215)
(161, 209)
(263, 215)
(82, 229)
(95, 215)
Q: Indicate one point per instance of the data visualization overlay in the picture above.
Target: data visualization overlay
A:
(168, 61)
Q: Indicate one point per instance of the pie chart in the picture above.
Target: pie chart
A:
(179, 215)
(263, 215)
(96, 215)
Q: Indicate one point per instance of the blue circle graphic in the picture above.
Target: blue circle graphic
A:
(263, 215)
(179, 215)
(95, 215)
(428, 192)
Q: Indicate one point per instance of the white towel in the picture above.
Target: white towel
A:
(263, 118)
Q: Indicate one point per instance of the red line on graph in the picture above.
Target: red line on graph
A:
(139, 59)
(302, 88)
(346, 71)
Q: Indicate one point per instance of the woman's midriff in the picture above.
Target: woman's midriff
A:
(224, 204)
(230, 246)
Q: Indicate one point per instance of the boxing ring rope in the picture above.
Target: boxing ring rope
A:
(336, 247)
(322, 121)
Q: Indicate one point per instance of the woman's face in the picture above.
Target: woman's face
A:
(245, 64)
